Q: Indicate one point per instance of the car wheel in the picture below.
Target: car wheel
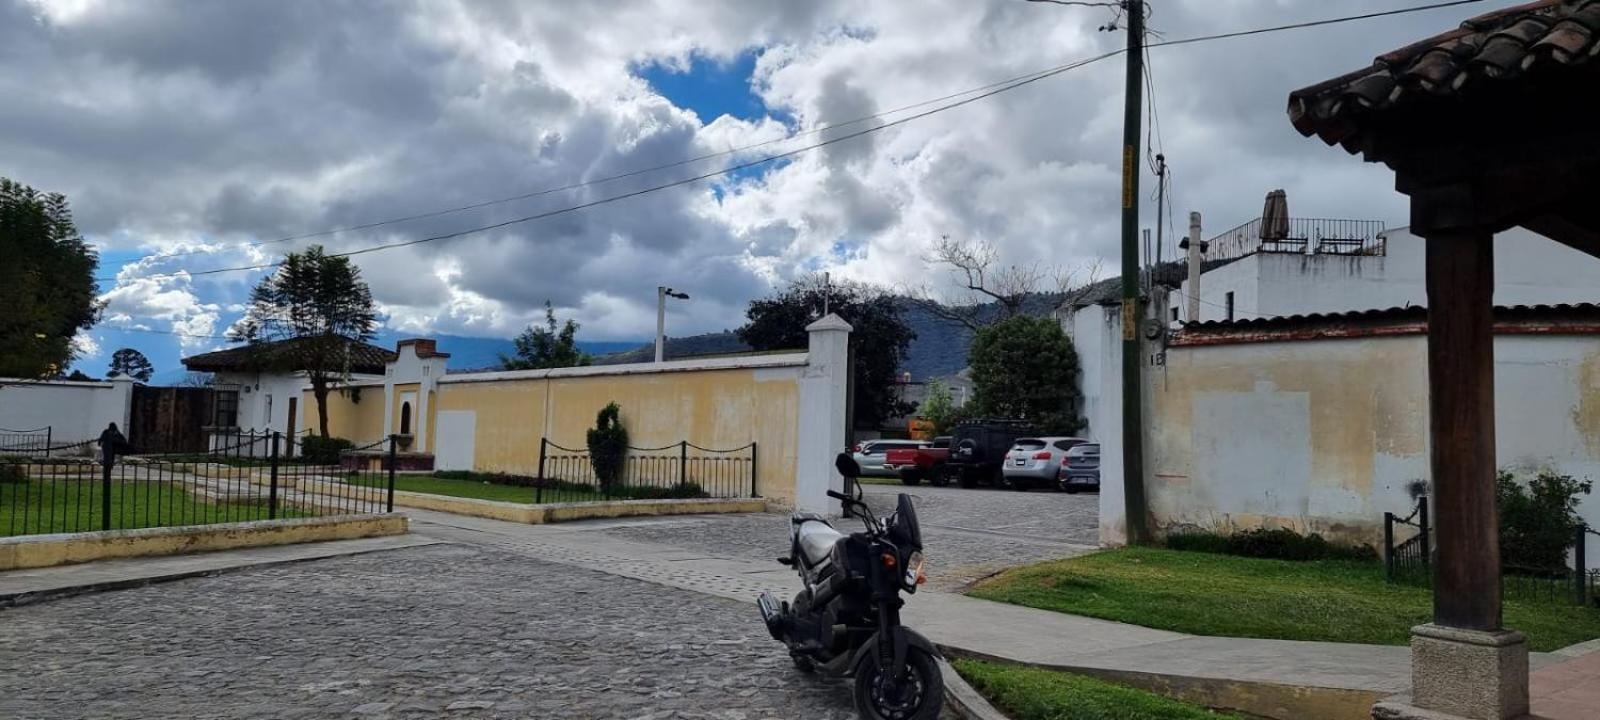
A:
(911, 478)
(939, 479)
(1017, 484)
(968, 480)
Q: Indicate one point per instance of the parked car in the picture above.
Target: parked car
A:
(978, 450)
(1081, 469)
(1036, 462)
(924, 463)
(870, 455)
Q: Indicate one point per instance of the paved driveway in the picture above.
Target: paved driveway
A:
(450, 631)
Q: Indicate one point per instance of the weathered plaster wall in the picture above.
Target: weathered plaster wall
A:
(354, 413)
(1326, 435)
(75, 411)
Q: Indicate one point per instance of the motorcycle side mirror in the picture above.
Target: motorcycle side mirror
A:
(847, 466)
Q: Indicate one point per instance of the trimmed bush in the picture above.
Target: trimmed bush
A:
(608, 446)
(12, 474)
(323, 450)
(1273, 544)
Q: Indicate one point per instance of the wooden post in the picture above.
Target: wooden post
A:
(1460, 280)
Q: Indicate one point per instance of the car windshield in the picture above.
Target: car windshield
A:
(1030, 444)
(1083, 450)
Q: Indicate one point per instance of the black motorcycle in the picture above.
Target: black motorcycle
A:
(846, 622)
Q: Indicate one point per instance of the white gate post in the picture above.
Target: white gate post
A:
(823, 402)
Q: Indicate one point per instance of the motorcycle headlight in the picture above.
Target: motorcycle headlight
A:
(914, 575)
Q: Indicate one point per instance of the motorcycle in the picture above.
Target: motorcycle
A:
(846, 622)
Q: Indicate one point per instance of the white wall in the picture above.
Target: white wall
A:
(75, 411)
(1529, 270)
(1327, 435)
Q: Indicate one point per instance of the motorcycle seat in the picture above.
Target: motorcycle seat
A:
(816, 538)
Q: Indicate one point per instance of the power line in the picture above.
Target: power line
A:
(677, 183)
(600, 180)
(988, 91)
(1312, 23)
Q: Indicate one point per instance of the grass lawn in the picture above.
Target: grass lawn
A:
(879, 481)
(35, 507)
(1205, 594)
(1026, 693)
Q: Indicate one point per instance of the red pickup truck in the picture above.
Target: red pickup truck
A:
(913, 465)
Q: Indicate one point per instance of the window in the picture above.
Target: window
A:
(225, 407)
(405, 418)
(1067, 444)
(1174, 314)
(1230, 305)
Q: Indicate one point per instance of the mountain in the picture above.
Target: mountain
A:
(939, 349)
(483, 353)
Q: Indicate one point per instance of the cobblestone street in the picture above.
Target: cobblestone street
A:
(439, 631)
(968, 534)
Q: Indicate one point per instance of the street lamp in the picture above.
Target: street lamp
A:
(662, 293)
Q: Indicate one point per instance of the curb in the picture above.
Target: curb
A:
(963, 698)
(29, 597)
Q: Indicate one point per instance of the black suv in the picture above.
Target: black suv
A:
(978, 450)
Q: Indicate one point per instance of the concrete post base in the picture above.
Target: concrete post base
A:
(1465, 674)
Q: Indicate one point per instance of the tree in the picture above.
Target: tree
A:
(551, 346)
(317, 305)
(880, 337)
(47, 286)
(1026, 368)
(132, 363)
(988, 292)
(939, 407)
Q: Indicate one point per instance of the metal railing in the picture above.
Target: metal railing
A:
(1325, 236)
(109, 485)
(681, 470)
(1410, 561)
(26, 441)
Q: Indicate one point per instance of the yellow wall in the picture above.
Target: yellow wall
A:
(360, 422)
(720, 409)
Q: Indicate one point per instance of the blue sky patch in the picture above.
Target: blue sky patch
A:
(709, 87)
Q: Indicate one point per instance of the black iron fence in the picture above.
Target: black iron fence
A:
(108, 485)
(682, 470)
(1410, 561)
(26, 441)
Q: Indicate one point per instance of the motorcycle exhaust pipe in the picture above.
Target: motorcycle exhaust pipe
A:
(772, 613)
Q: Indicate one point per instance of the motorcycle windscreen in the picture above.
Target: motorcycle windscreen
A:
(906, 527)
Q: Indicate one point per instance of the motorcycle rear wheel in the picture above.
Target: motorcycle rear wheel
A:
(922, 700)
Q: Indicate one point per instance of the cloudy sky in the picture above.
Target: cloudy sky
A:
(192, 136)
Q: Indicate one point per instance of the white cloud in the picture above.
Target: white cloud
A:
(195, 127)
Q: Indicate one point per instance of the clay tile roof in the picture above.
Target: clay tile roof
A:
(365, 358)
(1412, 319)
(1527, 39)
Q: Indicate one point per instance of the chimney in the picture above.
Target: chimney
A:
(1195, 247)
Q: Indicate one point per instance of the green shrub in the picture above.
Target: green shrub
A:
(323, 450)
(1538, 522)
(12, 474)
(608, 446)
(678, 491)
(1274, 544)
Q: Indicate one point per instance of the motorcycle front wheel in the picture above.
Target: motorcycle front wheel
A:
(919, 695)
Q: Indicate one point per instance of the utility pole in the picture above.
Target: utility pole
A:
(1132, 305)
(662, 293)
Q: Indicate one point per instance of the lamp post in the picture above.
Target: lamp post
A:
(662, 293)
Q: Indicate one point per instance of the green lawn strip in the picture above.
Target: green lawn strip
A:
(879, 481)
(1027, 693)
(476, 489)
(1222, 595)
(64, 506)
